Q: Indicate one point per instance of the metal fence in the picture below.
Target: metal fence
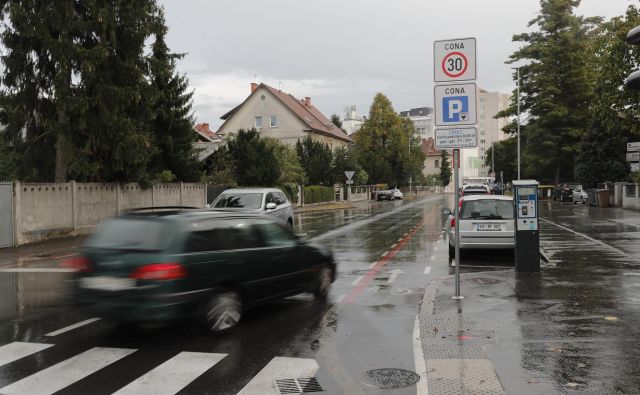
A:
(6, 214)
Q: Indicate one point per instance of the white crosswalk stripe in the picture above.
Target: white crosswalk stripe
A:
(67, 372)
(279, 368)
(17, 350)
(72, 327)
(173, 375)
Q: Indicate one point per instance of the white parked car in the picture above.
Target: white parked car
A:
(485, 221)
(580, 195)
(397, 194)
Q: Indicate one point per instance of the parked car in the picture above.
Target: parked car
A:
(469, 190)
(158, 267)
(580, 195)
(486, 222)
(564, 191)
(271, 201)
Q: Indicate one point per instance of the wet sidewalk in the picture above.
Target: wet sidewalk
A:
(572, 328)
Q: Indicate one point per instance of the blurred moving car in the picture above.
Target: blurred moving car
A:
(161, 266)
(390, 194)
(259, 200)
(486, 222)
(580, 195)
(564, 191)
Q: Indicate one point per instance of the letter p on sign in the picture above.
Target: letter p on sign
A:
(453, 107)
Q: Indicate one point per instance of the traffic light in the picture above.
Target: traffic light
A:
(633, 80)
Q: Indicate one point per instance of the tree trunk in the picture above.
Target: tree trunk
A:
(61, 160)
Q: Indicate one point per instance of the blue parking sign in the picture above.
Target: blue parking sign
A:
(455, 108)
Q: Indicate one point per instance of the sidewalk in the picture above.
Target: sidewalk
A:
(572, 328)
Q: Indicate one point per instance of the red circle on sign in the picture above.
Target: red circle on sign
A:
(464, 69)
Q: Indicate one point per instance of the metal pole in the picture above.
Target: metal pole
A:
(456, 215)
(518, 98)
(410, 169)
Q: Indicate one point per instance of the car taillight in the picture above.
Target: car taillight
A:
(78, 263)
(159, 271)
(453, 222)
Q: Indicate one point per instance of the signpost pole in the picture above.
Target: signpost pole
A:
(456, 215)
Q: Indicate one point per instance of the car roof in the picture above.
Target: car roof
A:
(251, 190)
(192, 215)
(487, 197)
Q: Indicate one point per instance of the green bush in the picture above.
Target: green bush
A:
(291, 190)
(318, 194)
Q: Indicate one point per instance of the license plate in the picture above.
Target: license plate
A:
(489, 227)
(106, 283)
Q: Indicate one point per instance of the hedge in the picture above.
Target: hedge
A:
(318, 194)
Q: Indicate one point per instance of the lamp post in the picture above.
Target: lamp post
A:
(518, 103)
(410, 166)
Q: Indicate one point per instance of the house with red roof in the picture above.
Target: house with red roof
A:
(277, 114)
(431, 157)
(208, 141)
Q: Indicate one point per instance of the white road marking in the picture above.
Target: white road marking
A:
(67, 372)
(433, 258)
(17, 350)
(384, 254)
(631, 274)
(72, 327)
(427, 270)
(393, 245)
(340, 298)
(279, 368)
(37, 270)
(394, 274)
(373, 264)
(173, 375)
(612, 248)
(422, 386)
(400, 239)
(357, 280)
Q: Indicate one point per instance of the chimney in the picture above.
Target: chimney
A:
(307, 101)
(254, 86)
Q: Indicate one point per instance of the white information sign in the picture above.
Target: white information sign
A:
(455, 104)
(633, 146)
(454, 60)
(633, 156)
(456, 138)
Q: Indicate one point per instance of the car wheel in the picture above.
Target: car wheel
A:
(223, 311)
(322, 287)
(290, 224)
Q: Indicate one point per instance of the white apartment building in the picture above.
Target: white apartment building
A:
(422, 118)
(351, 122)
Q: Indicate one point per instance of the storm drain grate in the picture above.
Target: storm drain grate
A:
(389, 378)
(302, 385)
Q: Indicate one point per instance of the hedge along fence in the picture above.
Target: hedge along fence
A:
(318, 194)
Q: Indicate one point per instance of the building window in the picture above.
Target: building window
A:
(274, 121)
(258, 124)
(437, 164)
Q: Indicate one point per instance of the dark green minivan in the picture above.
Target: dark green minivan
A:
(160, 266)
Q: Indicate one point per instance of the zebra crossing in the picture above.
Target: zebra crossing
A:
(169, 377)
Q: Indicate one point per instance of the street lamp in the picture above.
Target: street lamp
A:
(410, 179)
(518, 100)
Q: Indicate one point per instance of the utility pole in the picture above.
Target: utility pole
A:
(518, 99)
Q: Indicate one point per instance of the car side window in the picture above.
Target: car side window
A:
(275, 235)
(282, 198)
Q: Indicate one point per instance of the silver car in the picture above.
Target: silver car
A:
(485, 221)
(271, 201)
(580, 195)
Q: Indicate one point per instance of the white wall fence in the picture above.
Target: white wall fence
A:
(630, 196)
(44, 211)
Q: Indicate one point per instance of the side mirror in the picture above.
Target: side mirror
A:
(446, 211)
(270, 206)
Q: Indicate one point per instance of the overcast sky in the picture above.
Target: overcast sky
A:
(341, 52)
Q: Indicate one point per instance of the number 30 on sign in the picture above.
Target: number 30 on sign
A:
(454, 60)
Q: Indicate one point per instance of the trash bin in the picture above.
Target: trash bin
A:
(603, 198)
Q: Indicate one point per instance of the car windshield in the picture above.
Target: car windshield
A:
(132, 234)
(487, 209)
(251, 200)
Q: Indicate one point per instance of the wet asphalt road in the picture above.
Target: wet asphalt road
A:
(384, 254)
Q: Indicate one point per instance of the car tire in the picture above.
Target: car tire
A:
(322, 287)
(290, 224)
(223, 311)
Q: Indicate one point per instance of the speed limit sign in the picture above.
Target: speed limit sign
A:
(454, 60)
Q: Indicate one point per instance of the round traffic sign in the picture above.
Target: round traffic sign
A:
(455, 64)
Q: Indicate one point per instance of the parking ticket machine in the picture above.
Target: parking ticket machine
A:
(527, 235)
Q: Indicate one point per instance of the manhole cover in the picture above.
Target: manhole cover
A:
(392, 378)
(482, 281)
